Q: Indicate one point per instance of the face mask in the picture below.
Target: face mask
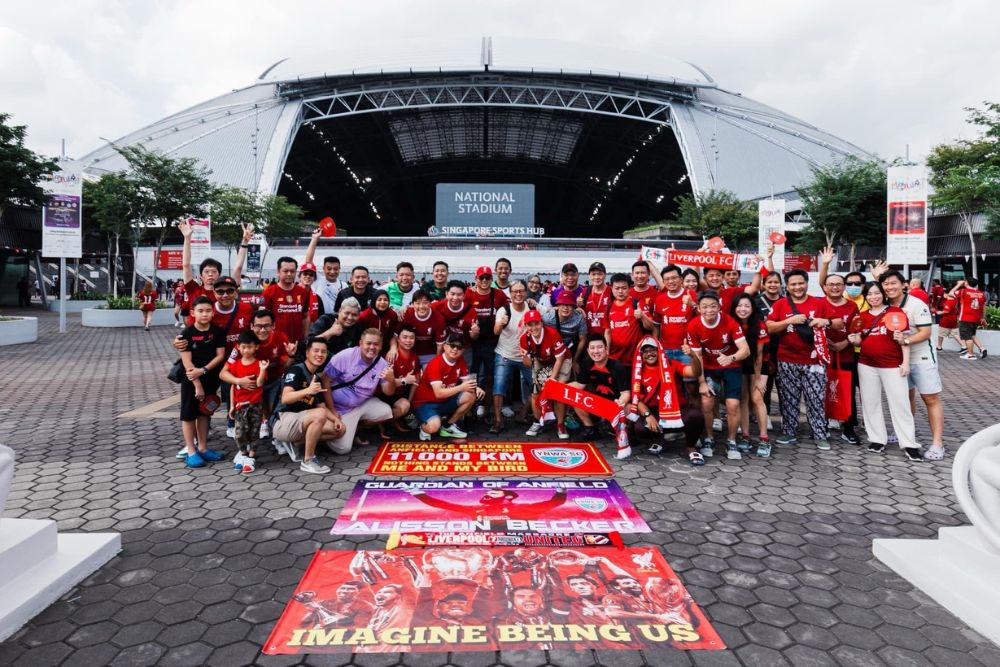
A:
(853, 291)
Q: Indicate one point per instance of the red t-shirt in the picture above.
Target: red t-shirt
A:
(486, 307)
(438, 370)
(714, 341)
(846, 311)
(971, 305)
(241, 322)
(401, 367)
(273, 351)
(288, 307)
(243, 396)
(546, 350)
(878, 348)
(791, 348)
(728, 294)
(596, 308)
(193, 290)
(937, 294)
(673, 315)
(386, 322)
(456, 322)
(179, 294)
(147, 301)
(430, 332)
(949, 313)
(313, 306)
(646, 297)
(920, 294)
(650, 391)
(626, 331)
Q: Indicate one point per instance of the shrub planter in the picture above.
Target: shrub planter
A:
(18, 330)
(74, 306)
(102, 317)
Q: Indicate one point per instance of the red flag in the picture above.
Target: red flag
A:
(715, 244)
(777, 238)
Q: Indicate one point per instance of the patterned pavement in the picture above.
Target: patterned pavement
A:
(777, 552)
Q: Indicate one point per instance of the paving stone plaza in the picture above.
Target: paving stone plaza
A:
(777, 552)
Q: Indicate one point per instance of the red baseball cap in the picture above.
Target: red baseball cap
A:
(565, 298)
(532, 316)
(484, 271)
(307, 266)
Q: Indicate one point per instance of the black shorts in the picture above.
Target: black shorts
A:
(966, 330)
(191, 406)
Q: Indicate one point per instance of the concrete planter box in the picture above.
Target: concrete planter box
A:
(20, 330)
(74, 306)
(101, 317)
(990, 338)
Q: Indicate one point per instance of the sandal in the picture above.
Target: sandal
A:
(696, 459)
(934, 453)
(497, 426)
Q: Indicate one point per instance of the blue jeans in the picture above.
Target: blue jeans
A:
(677, 355)
(503, 368)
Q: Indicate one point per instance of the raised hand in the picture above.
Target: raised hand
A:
(247, 232)
(827, 255)
(184, 227)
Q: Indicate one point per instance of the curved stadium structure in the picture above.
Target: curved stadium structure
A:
(608, 138)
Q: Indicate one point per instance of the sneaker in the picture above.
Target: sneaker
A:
(238, 461)
(877, 447)
(293, 451)
(182, 453)
(934, 453)
(480, 411)
(562, 432)
(212, 455)
(623, 453)
(585, 434)
(655, 449)
(832, 424)
(279, 447)
(249, 465)
(786, 439)
(823, 445)
(849, 436)
(572, 423)
(194, 461)
(314, 466)
(452, 431)
(892, 439)
(732, 451)
(695, 459)
(507, 411)
(743, 445)
(265, 431)
(970, 357)
(716, 424)
(707, 448)
(230, 431)
(534, 429)
(913, 454)
(424, 435)
(764, 449)
(983, 354)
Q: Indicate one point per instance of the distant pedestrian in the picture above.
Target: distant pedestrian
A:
(147, 303)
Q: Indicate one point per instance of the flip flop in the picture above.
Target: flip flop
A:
(497, 426)
(696, 459)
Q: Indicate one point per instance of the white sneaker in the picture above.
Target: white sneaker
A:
(770, 426)
(970, 357)
(832, 424)
(424, 435)
(314, 466)
(238, 461)
(279, 447)
(507, 411)
(230, 431)
(623, 453)
(716, 424)
(480, 411)
(265, 431)
(534, 429)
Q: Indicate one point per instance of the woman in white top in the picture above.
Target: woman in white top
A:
(507, 358)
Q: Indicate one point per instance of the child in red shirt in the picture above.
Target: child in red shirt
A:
(246, 376)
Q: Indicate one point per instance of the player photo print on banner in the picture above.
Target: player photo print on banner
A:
(479, 599)
(544, 506)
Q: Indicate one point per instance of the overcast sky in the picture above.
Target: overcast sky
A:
(879, 74)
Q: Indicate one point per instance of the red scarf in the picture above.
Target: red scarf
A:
(669, 408)
(819, 342)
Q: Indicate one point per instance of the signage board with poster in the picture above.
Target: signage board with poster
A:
(489, 458)
(201, 240)
(546, 506)
(488, 599)
(62, 231)
(906, 224)
(170, 259)
(771, 219)
(805, 262)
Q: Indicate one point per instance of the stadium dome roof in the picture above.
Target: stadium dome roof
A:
(365, 136)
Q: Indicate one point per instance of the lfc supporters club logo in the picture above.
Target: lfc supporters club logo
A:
(561, 457)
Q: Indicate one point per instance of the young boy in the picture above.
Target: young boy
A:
(246, 376)
(202, 359)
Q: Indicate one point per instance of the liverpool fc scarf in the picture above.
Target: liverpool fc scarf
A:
(595, 405)
(668, 408)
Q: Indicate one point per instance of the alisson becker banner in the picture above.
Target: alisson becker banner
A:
(378, 507)
(489, 458)
(479, 599)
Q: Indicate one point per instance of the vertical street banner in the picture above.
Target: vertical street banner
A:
(62, 231)
(488, 599)
(770, 219)
(906, 224)
(252, 266)
(201, 240)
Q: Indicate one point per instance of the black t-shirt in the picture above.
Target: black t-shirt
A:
(346, 293)
(349, 338)
(203, 345)
(608, 382)
(298, 378)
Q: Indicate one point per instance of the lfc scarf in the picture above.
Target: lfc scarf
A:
(669, 409)
(595, 405)
(819, 342)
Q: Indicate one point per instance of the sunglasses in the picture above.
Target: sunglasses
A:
(854, 284)
(225, 291)
(486, 277)
(457, 346)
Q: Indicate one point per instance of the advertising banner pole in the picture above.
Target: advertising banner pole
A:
(62, 295)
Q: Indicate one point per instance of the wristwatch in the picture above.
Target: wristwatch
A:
(906, 341)
(646, 415)
(402, 382)
(204, 369)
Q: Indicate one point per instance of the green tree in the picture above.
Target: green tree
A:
(231, 208)
(277, 218)
(108, 205)
(846, 203)
(21, 169)
(719, 213)
(167, 189)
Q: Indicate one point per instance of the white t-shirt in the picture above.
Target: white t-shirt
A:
(919, 316)
(509, 343)
(327, 291)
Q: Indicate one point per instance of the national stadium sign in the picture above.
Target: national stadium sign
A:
(486, 209)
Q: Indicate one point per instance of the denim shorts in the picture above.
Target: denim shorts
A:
(730, 380)
(677, 355)
(504, 368)
(426, 411)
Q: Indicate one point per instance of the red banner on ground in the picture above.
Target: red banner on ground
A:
(479, 599)
(488, 459)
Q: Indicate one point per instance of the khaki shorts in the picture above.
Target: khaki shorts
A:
(289, 427)
(945, 332)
